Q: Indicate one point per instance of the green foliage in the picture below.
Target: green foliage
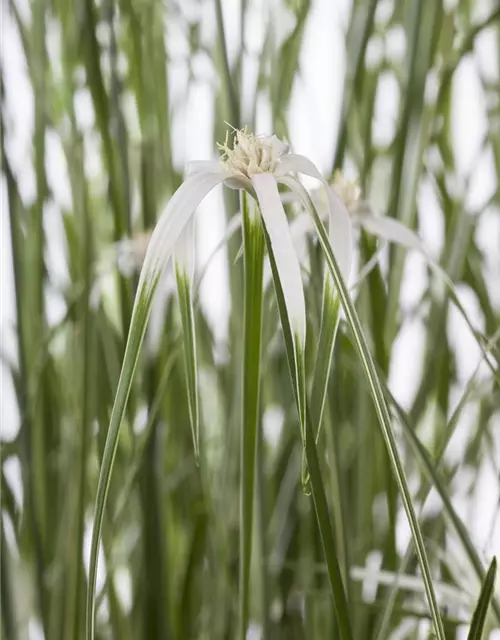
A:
(479, 618)
(171, 565)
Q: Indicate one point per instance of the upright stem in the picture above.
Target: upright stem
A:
(261, 510)
(18, 244)
(9, 629)
(253, 240)
(34, 284)
(86, 407)
(227, 78)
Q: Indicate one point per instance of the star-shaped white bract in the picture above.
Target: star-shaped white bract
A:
(256, 164)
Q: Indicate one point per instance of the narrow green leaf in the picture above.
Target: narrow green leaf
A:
(330, 315)
(360, 29)
(26, 400)
(233, 103)
(317, 487)
(487, 590)
(300, 373)
(423, 23)
(385, 424)
(286, 65)
(329, 325)
(184, 290)
(186, 625)
(167, 232)
(74, 613)
(9, 630)
(265, 584)
(253, 241)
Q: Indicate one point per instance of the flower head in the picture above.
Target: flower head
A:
(348, 191)
(362, 215)
(251, 154)
(256, 164)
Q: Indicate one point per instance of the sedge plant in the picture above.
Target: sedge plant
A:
(256, 166)
(284, 517)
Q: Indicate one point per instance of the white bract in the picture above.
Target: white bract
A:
(256, 164)
(362, 215)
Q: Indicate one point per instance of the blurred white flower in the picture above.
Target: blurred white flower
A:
(130, 253)
(362, 216)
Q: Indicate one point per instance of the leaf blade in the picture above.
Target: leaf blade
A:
(483, 604)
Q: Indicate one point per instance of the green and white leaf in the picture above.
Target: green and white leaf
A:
(479, 618)
(184, 273)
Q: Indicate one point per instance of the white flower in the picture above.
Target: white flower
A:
(348, 191)
(363, 216)
(130, 253)
(256, 164)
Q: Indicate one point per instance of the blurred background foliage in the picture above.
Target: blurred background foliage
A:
(107, 85)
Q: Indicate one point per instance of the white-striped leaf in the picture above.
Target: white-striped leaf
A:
(184, 274)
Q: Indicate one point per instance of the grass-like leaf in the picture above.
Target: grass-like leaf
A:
(185, 291)
(330, 315)
(487, 590)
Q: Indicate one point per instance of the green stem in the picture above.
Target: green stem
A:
(34, 283)
(9, 630)
(253, 239)
(360, 30)
(261, 513)
(23, 394)
(234, 107)
(74, 620)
